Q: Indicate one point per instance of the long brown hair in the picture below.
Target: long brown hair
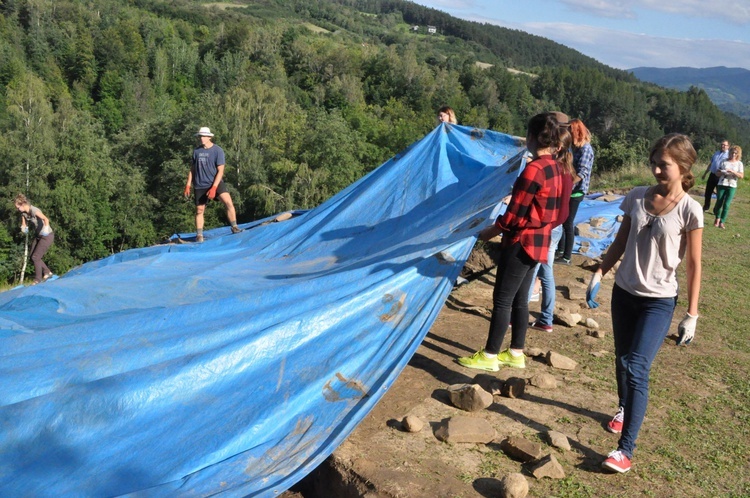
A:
(564, 156)
(680, 149)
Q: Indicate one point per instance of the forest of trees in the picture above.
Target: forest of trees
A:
(100, 99)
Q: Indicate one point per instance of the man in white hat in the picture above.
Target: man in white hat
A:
(206, 175)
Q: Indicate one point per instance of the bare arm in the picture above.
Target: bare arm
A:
(616, 250)
(694, 269)
(219, 175)
(41, 216)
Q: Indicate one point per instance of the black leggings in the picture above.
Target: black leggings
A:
(510, 299)
(569, 228)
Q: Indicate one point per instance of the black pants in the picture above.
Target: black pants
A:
(39, 248)
(569, 228)
(713, 180)
(510, 299)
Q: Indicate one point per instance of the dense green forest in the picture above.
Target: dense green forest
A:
(99, 101)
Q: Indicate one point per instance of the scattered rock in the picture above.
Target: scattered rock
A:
(567, 319)
(466, 430)
(514, 387)
(514, 486)
(599, 354)
(412, 423)
(590, 264)
(591, 323)
(585, 231)
(559, 440)
(556, 360)
(597, 221)
(584, 247)
(544, 381)
(619, 218)
(521, 449)
(469, 397)
(609, 197)
(548, 467)
(534, 352)
(599, 334)
(489, 383)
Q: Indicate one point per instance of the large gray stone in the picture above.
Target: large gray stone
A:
(466, 430)
(469, 397)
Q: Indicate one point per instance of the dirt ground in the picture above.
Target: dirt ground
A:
(385, 460)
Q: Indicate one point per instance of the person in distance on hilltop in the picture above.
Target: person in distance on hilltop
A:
(729, 172)
(446, 115)
(713, 179)
(583, 163)
(206, 175)
(661, 226)
(44, 237)
(526, 226)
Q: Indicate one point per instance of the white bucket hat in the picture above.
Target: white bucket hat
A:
(204, 132)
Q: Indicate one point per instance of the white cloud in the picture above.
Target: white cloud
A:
(627, 50)
(732, 11)
(602, 8)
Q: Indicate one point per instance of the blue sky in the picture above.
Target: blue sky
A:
(626, 33)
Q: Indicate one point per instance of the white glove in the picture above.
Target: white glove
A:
(686, 329)
(593, 289)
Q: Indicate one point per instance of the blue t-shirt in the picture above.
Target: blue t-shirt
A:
(205, 165)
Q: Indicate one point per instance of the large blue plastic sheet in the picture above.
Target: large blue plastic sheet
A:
(236, 366)
(599, 238)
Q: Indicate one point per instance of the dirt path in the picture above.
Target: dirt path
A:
(389, 461)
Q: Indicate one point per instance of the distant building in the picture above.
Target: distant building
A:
(415, 28)
(431, 29)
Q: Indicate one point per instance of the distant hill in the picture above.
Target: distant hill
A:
(728, 87)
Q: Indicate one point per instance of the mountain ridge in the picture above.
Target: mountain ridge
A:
(727, 87)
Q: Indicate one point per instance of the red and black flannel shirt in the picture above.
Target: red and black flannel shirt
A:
(534, 206)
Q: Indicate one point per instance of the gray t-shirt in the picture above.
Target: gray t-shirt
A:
(35, 223)
(206, 162)
(653, 253)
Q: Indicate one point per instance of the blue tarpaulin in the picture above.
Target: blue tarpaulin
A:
(236, 366)
(595, 240)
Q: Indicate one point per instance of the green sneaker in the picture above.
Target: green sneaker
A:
(479, 361)
(506, 358)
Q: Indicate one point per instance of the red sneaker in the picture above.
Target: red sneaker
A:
(615, 425)
(542, 327)
(617, 461)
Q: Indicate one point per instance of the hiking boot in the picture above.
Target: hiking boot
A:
(541, 326)
(479, 361)
(236, 229)
(46, 276)
(534, 298)
(615, 425)
(199, 238)
(617, 461)
(562, 261)
(506, 358)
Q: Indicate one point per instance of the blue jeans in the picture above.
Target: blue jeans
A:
(510, 299)
(639, 326)
(546, 275)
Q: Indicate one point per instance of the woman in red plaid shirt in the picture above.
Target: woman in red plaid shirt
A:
(526, 227)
